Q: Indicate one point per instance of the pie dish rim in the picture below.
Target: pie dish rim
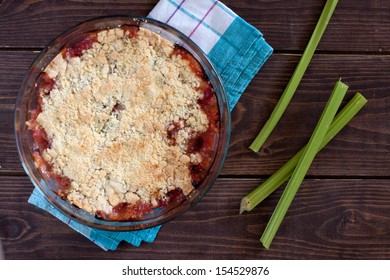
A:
(24, 141)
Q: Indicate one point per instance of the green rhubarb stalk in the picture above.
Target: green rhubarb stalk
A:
(256, 196)
(304, 163)
(296, 77)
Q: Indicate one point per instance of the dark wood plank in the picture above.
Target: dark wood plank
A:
(13, 66)
(50, 18)
(361, 149)
(342, 209)
(329, 219)
(287, 25)
(359, 26)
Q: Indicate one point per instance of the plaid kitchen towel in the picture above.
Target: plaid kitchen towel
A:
(237, 51)
(108, 240)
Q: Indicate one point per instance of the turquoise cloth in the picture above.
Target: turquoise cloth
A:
(237, 50)
(243, 57)
(108, 240)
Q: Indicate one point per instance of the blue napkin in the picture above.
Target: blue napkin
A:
(108, 240)
(237, 51)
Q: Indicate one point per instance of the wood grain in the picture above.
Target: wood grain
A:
(356, 26)
(287, 25)
(329, 219)
(13, 66)
(50, 18)
(342, 208)
(361, 149)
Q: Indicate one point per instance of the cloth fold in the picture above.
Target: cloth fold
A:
(237, 51)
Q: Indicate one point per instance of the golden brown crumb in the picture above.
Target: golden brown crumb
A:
(108, 115)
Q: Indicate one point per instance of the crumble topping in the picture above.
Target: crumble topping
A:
(119, 119)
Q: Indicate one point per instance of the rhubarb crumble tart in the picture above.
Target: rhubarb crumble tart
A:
(126, 122)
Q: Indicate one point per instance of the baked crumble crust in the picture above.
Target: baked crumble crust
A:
(109, 115)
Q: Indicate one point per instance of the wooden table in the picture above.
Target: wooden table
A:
(342, 210)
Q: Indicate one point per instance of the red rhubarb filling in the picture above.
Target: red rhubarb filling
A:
(201, 143)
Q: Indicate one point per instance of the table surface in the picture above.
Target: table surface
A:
(342, 210)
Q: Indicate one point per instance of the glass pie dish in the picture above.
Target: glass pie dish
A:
(27, 103)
